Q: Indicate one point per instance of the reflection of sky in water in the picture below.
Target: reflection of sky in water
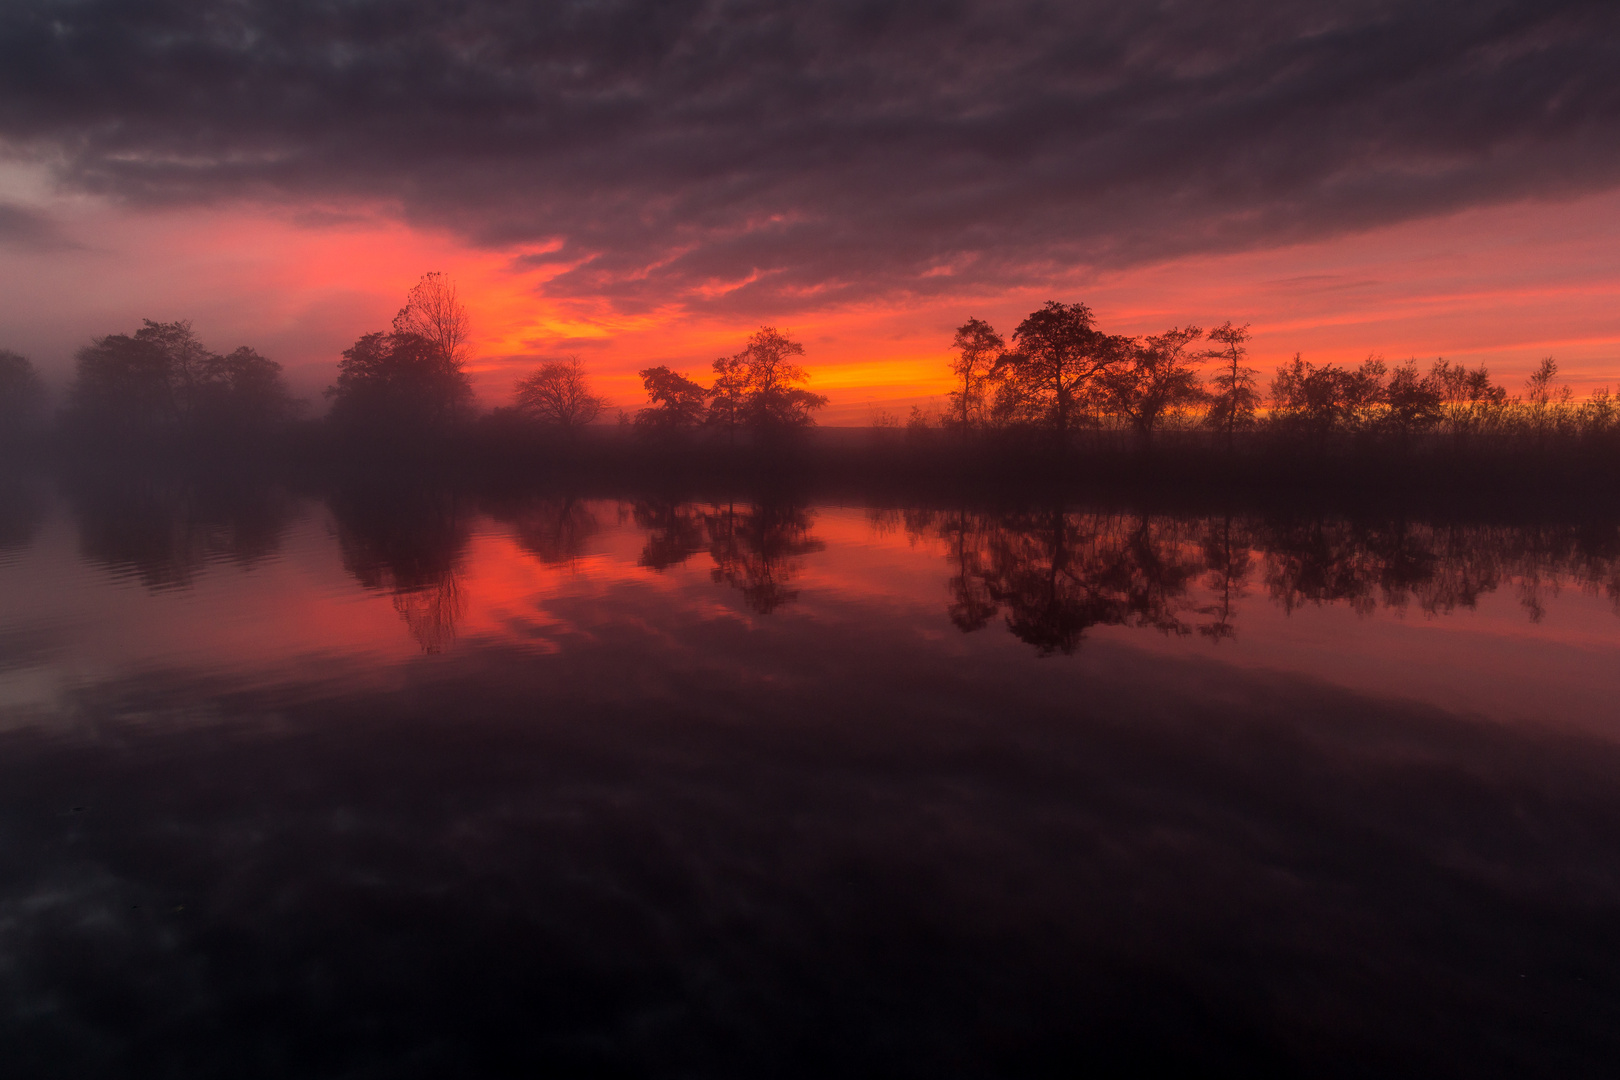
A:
(412, 784)
(1498, 622)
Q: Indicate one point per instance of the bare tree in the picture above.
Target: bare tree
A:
(558, 395)
(433, 311)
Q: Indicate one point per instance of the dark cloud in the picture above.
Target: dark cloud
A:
(833, 149)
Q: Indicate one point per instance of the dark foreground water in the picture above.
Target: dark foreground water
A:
(401, 782)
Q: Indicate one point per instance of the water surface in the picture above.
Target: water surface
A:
(400, 780)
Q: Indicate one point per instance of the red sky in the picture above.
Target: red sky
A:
(1502, 286)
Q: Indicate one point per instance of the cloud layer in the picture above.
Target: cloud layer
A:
(759, 157)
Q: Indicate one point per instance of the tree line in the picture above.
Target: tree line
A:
(1061, 373)
(1058, 375)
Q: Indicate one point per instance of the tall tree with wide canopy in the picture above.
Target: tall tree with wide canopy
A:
(756, 387)
(1057, 361)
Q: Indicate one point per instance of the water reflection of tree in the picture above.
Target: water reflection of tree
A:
(554, 529)
(22, 509)
(1053, 574)
(755, 547)
(675, 532)
(409, 542)
(165, 528)
(1226, 564)
(757, 550)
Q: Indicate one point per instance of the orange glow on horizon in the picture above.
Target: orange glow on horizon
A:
(1502, 286)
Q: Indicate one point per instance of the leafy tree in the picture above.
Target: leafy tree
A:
(755, 388)
(1157, 380)
(410, 381)
(163, 378)
(22, 395)
(1057, 362)
(398, 385)
(1415, 401)
(678, 403)
(558, 395)
(774, 403)
(1319, 400)
(1233, 398)
(728, 396)
(978, 347)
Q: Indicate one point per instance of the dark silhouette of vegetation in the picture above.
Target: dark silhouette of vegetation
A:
(677, 403)
(1156, 380)
(164, 529)
(22, 397)
(978, 347)
(162, 380)
(1233, 397)
(433, 312)
(1054, 574)
(558, 396)
(398, 386)
(407, 540)
(1055, 368)
(407, 386)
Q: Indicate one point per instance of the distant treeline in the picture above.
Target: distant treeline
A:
(1060, 384)
(1061, 374)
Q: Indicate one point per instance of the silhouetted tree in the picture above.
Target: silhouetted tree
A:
(1155, 380)
(433, 312)
(1543, 400)
(1414, 401)
(22, 395)
(1319, 400)
(399, 386)
(1057, 360)
(1469, 399)
(728, 396)
(558, 395)
(977, 347)
(678, 403)
(757, 387)
(1233, 397)
(162, 378)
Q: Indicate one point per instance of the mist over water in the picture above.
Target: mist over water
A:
(399, 779)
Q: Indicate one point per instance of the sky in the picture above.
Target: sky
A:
(648, 181)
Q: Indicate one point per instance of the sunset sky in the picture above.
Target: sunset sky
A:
(647, 182)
